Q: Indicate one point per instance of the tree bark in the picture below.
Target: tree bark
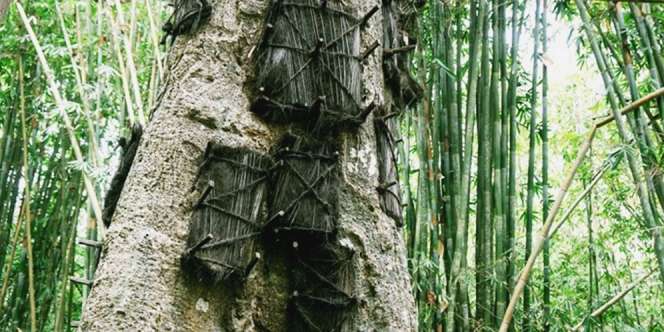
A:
(139, 285)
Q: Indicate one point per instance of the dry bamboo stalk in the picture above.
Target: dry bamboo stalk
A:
(121, 66)
(130, 65)
(633, 106)
(155, 39)
(27, 216)
(578, 200)
(599, 311)
(89, 187)
(79, 86)
(543, 234)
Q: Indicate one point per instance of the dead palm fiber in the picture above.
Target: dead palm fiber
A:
(305, 188)
(117, 183)
(308, 64)
(187, 17)
(229, 215)
(387, 138)
(322, 283)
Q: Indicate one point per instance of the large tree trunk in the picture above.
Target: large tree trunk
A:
(140, 286)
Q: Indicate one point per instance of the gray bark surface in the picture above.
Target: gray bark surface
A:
(139, 285)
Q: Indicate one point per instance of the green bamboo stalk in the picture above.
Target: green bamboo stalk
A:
(423, 220)
(517, 26)
(635, 299)
(499, 218)
(654, 42)
(8, 264)
(405, 169)
(483, 257)
(27, 215)
(7, 158)
(530, 198)
(591, 250)
(545, 172)
(8, 217)
(453, 134)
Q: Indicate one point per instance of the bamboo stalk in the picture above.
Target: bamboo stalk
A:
(654, 42)
(155, 39)
(632, 107)
(517, 27)
(530, 197)
(64, 279)
(545, 170)
(591, 250)
(7, 157)
(89, 188)
(499, 217)
(9, 263)
(543, 233)
(599, 311)
(115, 35)
(483, 236)
(130, 62)
(94, 148)
(27, 215)
(578, 200)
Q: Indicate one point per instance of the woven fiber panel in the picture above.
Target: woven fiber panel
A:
(305, 188)
(229, 216)
(308, 64)
(322, 298)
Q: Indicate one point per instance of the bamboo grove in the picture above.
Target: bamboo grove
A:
(484, 175)
(469, 117)
(94, 67)
(473, 212)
